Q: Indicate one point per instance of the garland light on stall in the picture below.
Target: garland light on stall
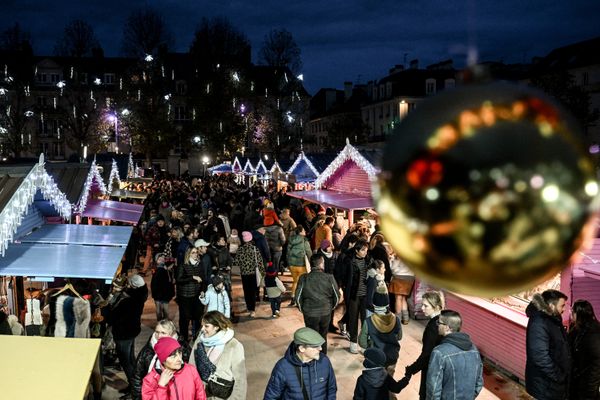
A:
(249, 165)
(275, 167)
(92, 174)
(18, 205)
(301, 157)
(348, 153)
(114, 174)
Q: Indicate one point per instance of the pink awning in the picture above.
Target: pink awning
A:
(114, 211)
(330, 198)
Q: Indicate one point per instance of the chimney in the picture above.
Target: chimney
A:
(414, 64)
(347, 90)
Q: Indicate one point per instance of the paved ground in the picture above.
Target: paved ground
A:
(265, 340)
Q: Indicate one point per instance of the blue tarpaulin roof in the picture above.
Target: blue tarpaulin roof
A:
(61, 260)
(93, 235)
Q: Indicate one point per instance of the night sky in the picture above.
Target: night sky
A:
(355, 40)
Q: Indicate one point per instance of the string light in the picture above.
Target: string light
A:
(114, 174)
(348, 153)
(130, 167)
(18, 205)
(93, 174)
(299, 159)
(249, 167)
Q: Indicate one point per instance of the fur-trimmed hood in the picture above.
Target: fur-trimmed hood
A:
(538, 304)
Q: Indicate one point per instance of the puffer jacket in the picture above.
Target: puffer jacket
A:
(372, 385)
(186, 285)
(145, 358)
(125, 315)
(317, 375)
(317, 293)
(298, 248)
(548, 357)
(216, 301)
(185, 385)
(248, 258)
(455, 369)
(275, 237)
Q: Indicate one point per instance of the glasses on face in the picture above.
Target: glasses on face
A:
(193, 252)
(441, 322)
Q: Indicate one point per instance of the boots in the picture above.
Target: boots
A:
(405, 317)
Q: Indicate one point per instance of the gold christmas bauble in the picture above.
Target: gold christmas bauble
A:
(487, 189)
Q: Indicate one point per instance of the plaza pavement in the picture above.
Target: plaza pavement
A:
(265, 340)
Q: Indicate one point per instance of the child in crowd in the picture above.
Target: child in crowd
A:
(269, 215)
(216, 298)
(375, 383)
(375, 278)
(274, 288)
(234, 242)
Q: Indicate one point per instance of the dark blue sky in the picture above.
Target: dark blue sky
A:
(355, 40)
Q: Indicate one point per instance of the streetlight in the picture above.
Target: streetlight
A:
(205, 161)
(113, 118)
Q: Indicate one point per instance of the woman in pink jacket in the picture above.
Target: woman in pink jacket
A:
(176, 380)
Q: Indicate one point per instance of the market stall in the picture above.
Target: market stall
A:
(345, 183)
(306, 169)
(221, 169)
(108, 210)
(52, 368)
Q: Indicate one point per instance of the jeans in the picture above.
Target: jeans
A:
(357, 307)
(162, 310)
(275, 304)
(126, 353)
(319, 324)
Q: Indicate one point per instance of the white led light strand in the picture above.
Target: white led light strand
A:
(249, 165)
(130, 168)
(348, 153)
(12, 214)
(114, 174)
(89, 181)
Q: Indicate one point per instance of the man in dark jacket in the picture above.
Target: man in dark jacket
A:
(275, 240)
(548, 357)
(125, 317)
(163, 287)
(455, 368)
(303, 373)
(317, 295)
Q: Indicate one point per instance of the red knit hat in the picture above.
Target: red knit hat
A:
(164, 347)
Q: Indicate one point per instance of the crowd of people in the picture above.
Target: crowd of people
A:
(195, 231)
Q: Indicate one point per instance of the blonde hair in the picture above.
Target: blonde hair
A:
(435, 298)
(168, 325)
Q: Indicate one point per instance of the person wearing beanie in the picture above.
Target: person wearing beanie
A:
(383, 329)
(176, 379)
(374, 382)
(216, 297)
(303, 372)
(147, 360)
(275, 288)
(375, 278)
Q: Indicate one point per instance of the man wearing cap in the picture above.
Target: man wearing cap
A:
(176, 379)
(317, 295)
(444, 379)
(303, 372)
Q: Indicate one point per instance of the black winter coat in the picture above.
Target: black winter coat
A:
(548, 364)
(125, 315)
(163, 285)
(431, 338)
(585, 349)
(372, 385)
(142, 365)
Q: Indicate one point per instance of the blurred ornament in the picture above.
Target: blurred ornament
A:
(487, 190)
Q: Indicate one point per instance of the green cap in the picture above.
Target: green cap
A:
(308, 337)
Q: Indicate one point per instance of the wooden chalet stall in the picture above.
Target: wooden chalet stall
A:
(346, 182)
(224, 168)
(305, 170)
